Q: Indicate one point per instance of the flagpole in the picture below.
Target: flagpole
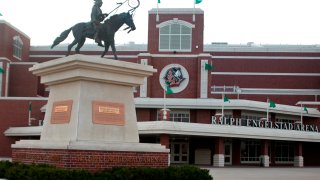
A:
(164, 98)
(301, 115)
(268, 109)
(222, 110)
(29, 114)
(157, 17)
(194, 11)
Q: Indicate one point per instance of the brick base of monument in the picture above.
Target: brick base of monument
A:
(88, 159)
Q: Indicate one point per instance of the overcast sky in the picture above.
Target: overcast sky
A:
(232, 21)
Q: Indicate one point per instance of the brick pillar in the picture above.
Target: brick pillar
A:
(218, 157)
(164, 140)
(273, 117)
(236, 113)
(264, 157)
(298, 158)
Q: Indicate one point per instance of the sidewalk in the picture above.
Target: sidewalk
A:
(272, 173)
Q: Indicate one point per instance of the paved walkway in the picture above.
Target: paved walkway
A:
(278, 173)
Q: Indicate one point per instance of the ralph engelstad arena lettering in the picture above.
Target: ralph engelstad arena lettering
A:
(263, 124)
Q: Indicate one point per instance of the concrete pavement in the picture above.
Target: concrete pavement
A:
(274, 173)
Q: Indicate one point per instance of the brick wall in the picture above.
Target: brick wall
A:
(22, 82)
(7, 32)
(203, 116)
(144, 114)
(90, 160)
(14, 113)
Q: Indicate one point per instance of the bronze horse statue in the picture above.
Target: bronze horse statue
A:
(109, 27)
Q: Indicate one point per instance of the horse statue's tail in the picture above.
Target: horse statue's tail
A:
(61, 38)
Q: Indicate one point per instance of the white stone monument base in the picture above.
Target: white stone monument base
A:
(90, 121)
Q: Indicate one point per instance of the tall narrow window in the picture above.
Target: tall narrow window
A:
(17, 47)
(175, 35)
(250, 151)
(284, 152)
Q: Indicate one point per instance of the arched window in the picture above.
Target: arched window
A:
(175, 35)
(17, 47)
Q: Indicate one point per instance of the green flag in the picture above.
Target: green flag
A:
(305, 109)
(169, 90)
(1, 70)
(1, 14)
(208, 66)
(225, 98)
(272, 104)
(158, 1)
(197, 1)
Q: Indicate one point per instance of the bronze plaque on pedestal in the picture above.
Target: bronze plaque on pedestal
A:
(107, 113)
(61, 112)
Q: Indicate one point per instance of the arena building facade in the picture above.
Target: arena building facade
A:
(232, 105)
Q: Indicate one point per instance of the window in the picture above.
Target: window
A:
(179, 152)
(251, 116)
(284, 152)
(17, 47)
(178, 116)
(285, 121)
(250, 151)
(175, 35)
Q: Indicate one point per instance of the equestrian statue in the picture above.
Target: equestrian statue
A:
(99, 31)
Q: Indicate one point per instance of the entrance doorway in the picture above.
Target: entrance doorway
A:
(180, 152)
(228, 153)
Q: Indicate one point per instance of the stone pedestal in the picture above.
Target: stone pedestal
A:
(264, 160)
(90, 116)
(218, 160)
(298, 161)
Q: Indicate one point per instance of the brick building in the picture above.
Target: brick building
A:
(220, 116)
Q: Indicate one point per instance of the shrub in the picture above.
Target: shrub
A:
(16, 171)
(4, 166)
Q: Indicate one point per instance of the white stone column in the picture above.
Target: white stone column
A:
(218, 160)
(298, 161)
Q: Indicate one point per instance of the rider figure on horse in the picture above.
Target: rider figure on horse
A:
(96, 17)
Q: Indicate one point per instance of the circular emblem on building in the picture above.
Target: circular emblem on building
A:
(175, 76)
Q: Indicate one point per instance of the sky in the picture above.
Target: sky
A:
(231, 21)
